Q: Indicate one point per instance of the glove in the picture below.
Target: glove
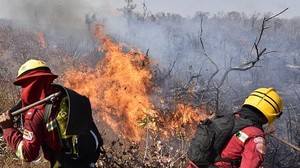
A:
(6, 120)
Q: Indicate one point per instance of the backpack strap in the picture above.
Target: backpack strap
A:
(58, 156)
(47, 112)
(238, 124)
(233, 162)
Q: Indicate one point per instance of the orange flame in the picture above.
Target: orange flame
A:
(41, 39)
(118, 87)
(184, 120)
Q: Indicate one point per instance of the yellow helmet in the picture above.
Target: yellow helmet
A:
(267, 101)
(31, 65)
(33, 68)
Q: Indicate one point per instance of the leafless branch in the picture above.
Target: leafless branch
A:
(171, 68)
(251, 63)
(297, 95)
(278, 14)
(207, 56)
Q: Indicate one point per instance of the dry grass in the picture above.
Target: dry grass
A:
(8, 159)
(119, 154)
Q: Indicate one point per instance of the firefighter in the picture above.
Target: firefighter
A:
(36, 79)
(247, 147)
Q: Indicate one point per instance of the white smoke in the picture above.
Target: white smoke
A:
(169, 38)
(58, 15)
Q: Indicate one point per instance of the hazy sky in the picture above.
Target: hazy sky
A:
(189, 7)
(17, 8)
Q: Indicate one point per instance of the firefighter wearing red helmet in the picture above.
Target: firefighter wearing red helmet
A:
(36, 81)
(246, 148)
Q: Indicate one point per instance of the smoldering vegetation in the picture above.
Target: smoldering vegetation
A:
(190, 60)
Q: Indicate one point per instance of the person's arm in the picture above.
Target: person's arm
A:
(253, 153)
(27, 145)
(12, 135)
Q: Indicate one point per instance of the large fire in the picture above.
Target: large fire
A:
(118, 87)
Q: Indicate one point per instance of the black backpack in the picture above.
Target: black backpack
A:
(211, 136)
(80, 139)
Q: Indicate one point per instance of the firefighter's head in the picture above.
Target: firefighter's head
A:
(267, 101)
(32, 69)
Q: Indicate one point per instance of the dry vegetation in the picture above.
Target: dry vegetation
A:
(200, 89)
(17, 45)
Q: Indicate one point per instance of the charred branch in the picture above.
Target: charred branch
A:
(214, 64)
(259, 53)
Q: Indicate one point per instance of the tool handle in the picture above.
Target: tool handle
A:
(48, 98)
(285, 142)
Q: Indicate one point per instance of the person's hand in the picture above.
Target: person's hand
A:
(6, 120)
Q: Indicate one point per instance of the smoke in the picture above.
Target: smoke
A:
(62, 14)
(228, 40)
(185, 53)
(173, 41)
(63, 22)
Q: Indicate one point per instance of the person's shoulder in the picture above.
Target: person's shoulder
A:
(253, 131)
(34, 112)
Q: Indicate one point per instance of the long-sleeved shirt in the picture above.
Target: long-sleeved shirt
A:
(28, 145)
(249, 146)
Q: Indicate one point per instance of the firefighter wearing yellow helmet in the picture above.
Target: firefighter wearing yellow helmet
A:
(33, 68)
(267, 101)
(45, 124)
(245, 146)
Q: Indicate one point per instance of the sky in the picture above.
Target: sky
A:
(16, 8)
(189, 7)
